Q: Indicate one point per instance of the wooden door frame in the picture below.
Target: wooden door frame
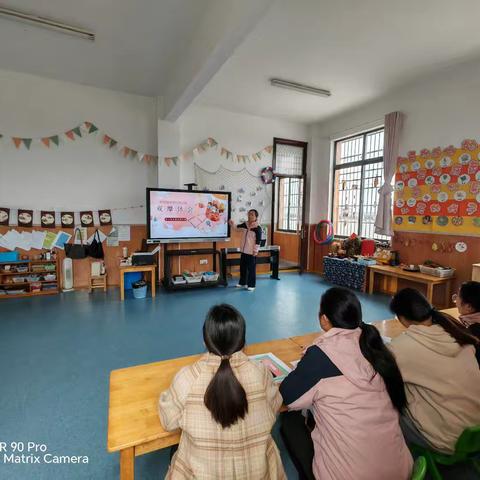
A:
(303, 244)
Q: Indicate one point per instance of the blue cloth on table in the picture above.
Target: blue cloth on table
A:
(344, 272)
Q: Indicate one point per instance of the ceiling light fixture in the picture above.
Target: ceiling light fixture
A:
(49, 23)
(298, 87)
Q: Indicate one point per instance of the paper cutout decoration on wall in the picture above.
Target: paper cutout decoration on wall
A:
(438, 190)
(4, 215)
(86, 218)
(105, 217)
(47, 219)
(68, 219)
(25, 218)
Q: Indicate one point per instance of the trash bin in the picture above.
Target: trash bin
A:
(130, 278)
(139, 289)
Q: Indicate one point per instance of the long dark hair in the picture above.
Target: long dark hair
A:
(224, 334)
(413, 306)
(470, 294)
(342, 308)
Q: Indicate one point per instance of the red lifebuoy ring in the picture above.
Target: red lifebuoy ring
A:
(329, 232)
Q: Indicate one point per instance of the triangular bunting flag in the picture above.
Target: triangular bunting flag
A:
(87, 125)
(212, 142)
(17, 142)
(55, 139)
(125, 151)
(239, 158)
(133, 153)
(269, 149)
(27, 142)
(174, 160)
(112, 142)
(77, 131)
(92, 128)
(46, 142)
(167, 161)
(106, 139)
(70, 135)
(223, 151)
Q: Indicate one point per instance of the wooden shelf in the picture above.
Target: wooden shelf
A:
(29, 272)
(26, 285)
(18, 262)
(31, 294)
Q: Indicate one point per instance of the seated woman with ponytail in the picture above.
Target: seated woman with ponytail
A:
(436, 356)
(226, 406)
(350, 381)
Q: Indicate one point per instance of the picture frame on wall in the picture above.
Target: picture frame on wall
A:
(86, 218)
(105, 217)
(25, 218)
(4, 216)
(67, 219)
(47, 218)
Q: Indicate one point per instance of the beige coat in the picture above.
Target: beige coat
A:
(442, 383)
(245, 450)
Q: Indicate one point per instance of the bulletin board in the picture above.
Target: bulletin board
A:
(438, 191)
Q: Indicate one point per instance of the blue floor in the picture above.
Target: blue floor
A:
(56, 354)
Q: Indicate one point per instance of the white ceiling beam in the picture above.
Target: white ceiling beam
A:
(223, 27)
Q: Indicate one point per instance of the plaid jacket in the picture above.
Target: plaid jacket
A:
(246, 450)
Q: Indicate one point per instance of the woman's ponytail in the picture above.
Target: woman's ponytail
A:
(224, 334)
(453, 328)
(225, 397)
(383, 362)
(414, 307)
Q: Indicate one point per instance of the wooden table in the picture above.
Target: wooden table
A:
(136, 268)
(134, 426)
(388, 328)
(394, 273)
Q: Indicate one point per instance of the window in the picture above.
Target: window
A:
(290, 195)
(358, 174)
(289, 171)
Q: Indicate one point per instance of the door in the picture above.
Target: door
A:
(288, 227)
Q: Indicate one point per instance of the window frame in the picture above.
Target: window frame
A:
(359, 163)
(300, 198)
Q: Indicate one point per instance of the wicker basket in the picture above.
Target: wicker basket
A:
(437, 272)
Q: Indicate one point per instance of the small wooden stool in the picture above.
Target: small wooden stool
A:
(97, 280)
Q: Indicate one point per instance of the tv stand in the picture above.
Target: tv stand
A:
(167, 267)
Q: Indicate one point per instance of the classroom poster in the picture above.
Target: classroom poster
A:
(438, 191)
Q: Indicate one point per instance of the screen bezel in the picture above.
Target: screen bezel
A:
(151, 239)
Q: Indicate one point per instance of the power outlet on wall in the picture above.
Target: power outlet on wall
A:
(203, 261)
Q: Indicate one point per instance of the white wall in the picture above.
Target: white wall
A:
(77, 175)
(242, 134)
(441, 109)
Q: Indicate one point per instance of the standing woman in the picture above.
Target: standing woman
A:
(225, 404)
(468, 303)
(350, 381)
(249, 245)
(436, 356)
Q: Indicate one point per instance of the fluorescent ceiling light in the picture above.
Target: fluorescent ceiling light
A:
(45, 23)
(298, 87)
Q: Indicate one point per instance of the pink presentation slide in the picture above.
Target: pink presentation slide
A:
(188, 215)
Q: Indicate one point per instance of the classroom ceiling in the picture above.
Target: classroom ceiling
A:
(360, 50)
(137, 41)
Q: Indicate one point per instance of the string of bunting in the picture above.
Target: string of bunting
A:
(88, 128)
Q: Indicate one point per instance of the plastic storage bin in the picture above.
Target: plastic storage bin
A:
(9, 256)
(139, 289)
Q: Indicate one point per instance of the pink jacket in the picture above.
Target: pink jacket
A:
(357, 434)
(251, 238)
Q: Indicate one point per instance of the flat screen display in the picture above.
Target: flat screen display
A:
(180, 215)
